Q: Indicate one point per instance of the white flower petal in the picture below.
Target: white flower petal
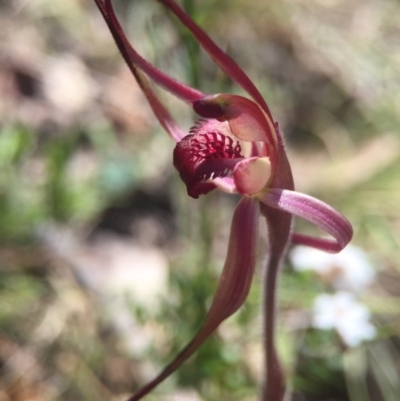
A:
(349, 270)
(346, 315)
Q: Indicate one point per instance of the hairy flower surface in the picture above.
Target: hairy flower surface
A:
(235, 146)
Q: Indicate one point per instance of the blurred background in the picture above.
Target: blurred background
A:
(107, 267)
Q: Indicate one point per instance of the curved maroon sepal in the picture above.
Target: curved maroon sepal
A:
(314, 211)
(132, 58)
(233, 287)
(323, 244)
(225, 62)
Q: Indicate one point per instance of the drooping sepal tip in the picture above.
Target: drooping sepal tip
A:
(316, 212)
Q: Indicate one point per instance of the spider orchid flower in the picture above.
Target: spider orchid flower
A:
(236, 147)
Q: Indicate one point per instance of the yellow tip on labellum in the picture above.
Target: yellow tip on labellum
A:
(252, 175)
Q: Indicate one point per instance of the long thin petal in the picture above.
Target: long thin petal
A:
(159, 110)
(131, 57)
(228, 65)
(233, 287)
(162, 114)
(315, 211)
(283, 177)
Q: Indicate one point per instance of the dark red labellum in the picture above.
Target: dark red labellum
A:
(199, 157)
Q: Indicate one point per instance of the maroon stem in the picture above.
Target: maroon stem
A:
(274, 386)
(279, 231)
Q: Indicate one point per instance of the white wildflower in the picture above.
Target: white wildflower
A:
(343, 313)
(348, 270)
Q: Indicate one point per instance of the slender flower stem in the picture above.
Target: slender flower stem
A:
(274, 385)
